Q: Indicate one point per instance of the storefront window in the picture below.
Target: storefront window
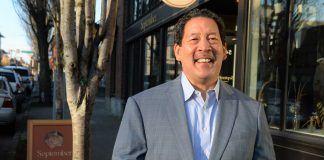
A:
(134, 67)
(170, 58)
(147, 61)
(268, 79)
(155, 77)
(173, 67)
(265, 66)
(305, 106)
(137, 8)
(152, 61)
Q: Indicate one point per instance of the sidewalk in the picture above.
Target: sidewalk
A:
(104, 126)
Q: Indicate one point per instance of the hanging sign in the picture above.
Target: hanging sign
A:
(179, 3)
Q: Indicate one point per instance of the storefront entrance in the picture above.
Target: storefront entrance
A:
(227, 9)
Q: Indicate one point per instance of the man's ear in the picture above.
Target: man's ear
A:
(225, 52)
(176, 49)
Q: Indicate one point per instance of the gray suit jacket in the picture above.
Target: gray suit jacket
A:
(154, 127)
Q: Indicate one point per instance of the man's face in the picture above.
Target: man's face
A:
(201, 52)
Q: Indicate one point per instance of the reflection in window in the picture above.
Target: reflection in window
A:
(152, 62)
(305, 106)
(173, 67)
(147, 61)
(266, 48)
(156, 62)
(138, 8)
(170, 58)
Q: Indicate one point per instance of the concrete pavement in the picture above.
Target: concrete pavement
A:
(104, 126)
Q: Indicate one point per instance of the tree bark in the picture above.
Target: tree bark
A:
(81, 141)
(84, 63)
(59, 81)
(44, 72)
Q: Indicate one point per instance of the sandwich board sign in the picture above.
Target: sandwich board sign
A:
(49, 140)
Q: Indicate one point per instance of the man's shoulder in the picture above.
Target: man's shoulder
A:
(158, 90)
(237, 94)
(245, 101)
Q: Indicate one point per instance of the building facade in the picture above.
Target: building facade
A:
(276, 56)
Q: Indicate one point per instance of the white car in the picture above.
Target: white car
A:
(26, 76)
(7, 105)
(16, 86)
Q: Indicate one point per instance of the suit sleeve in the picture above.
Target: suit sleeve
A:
(263, 146)
(130, 142)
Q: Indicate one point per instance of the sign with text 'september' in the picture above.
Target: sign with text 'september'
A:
(49, 140)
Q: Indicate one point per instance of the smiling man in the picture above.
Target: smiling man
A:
(201, 51)
(196, 116)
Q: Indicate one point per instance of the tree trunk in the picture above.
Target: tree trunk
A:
(59, 82)
(85, 63)
(81, 125)
(58, 98)
(45, 80)
(81, 116)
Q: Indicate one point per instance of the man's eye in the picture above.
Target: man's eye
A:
(212, 39)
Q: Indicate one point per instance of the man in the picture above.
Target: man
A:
(196, 116)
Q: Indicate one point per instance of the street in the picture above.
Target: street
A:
(5, 142)
(7, 145)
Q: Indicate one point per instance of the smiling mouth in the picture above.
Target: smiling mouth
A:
(204, 60)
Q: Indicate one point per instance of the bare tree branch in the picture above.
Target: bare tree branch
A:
(107, 44)
(79, 8)
(88, 37)
(84, 67)
(103, 15)
(70, 50)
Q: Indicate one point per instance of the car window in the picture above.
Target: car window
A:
(22, 72)
(10, 76)
(2, 85)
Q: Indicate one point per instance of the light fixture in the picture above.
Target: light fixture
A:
(179, 3)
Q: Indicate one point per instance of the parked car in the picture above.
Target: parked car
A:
(16, 86)
(7, 105)
(26, 76)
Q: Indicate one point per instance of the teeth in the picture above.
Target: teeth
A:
(203, 60)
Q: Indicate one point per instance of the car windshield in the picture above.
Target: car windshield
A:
(22, 72)
(9, 76)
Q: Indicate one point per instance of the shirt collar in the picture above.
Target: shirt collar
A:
(188, 89)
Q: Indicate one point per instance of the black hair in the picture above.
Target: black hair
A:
(179, 27)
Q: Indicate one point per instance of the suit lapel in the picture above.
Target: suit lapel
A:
(178, 121)
(225, 119)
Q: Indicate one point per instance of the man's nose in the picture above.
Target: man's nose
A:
(204, 45)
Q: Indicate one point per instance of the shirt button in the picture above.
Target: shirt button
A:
(204, 129)
(206, 152)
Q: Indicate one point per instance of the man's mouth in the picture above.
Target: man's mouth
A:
(204, 60)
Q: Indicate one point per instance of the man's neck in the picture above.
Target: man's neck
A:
(204, 87)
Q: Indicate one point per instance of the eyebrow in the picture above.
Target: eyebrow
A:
(212, 33)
